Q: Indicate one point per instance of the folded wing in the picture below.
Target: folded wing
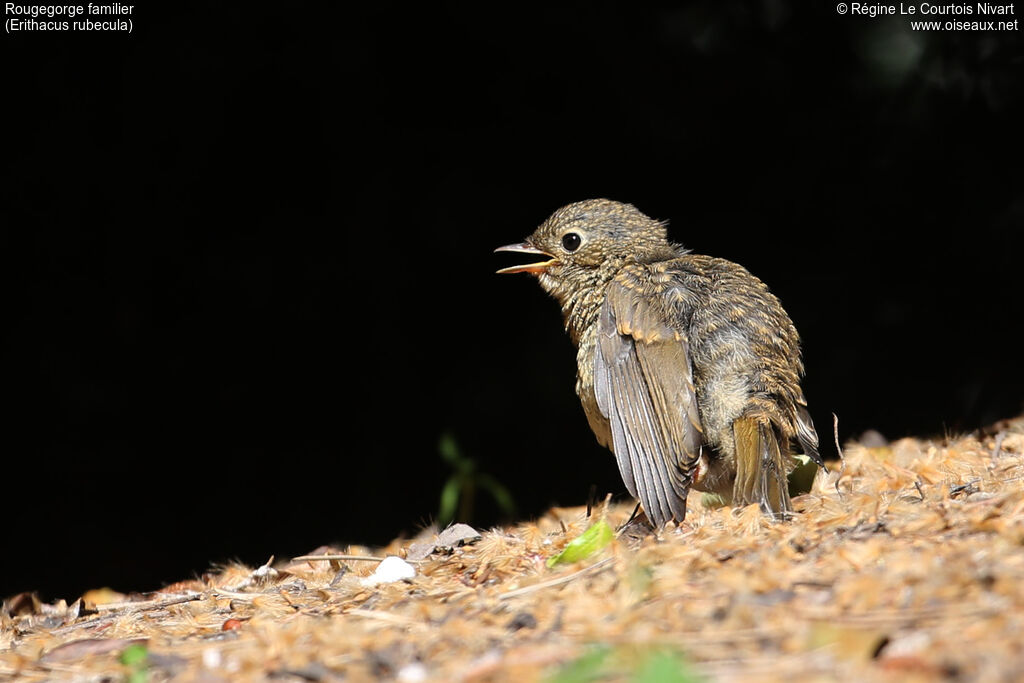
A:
(643, 382)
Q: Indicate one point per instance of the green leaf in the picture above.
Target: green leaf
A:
(665, 667)
(502, 496)
(589, 667)
(638, 664)
(449, 501)
(449, 449)
(135, 655)
(598, 536)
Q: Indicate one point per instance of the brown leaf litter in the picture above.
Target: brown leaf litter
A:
(912, 568)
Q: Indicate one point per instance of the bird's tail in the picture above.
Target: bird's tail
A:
(807, 435)
(761, 472)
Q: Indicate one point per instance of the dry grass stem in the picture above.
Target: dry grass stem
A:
(337, 558)
(562, 580)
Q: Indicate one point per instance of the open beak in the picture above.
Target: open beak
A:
(526, 248)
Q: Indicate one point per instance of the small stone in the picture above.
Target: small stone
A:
(391, 569)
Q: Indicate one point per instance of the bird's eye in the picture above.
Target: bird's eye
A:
(571, 241)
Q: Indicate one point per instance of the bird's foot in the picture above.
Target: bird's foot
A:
(636, 529)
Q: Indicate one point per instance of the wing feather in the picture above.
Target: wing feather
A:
(643, 383)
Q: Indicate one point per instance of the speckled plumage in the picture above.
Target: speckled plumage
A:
(688, 367)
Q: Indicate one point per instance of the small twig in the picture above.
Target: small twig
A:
(556, 582)
(59, 668)
(139, 606)
(344, 558)
(291, 603)
(87, 623)
(967, 488)
(235, 595)
(899, 616)
(700, 638)
(383, 616)
(917, 485)
(839, 450)
(999, 445)
(112, 608)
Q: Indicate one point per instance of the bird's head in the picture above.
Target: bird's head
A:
(587, 242)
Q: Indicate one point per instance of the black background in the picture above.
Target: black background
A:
(251, 280)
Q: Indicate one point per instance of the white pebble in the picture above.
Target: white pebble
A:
(211, 658)
(391, 569)
(412, 673)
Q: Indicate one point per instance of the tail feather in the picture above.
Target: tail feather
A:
(808, 436)
(761, 472)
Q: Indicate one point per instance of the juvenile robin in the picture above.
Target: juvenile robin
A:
(688, 368)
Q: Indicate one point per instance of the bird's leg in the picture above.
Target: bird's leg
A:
(636, 528)
(636, 512)
(761, 475)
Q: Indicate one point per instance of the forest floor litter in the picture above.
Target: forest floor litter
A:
(908, 564)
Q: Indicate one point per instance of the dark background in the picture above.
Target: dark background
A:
(251, 280)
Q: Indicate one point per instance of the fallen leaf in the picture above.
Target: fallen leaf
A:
(598, 536)
(456, 535)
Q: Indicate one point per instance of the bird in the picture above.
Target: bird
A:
(688, 368)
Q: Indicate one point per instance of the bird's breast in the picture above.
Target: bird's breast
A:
(585, 385)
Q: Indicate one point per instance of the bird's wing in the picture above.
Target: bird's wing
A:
(643, 383)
